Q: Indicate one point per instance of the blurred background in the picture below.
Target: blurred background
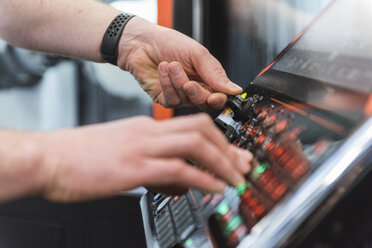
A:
(46, 92)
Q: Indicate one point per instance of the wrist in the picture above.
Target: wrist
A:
(32, 163)
(135, 37)
(20, 164)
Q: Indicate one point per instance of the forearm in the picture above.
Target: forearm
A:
(20, 164)
(72, 28)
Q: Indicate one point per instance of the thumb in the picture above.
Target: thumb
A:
(211, 71)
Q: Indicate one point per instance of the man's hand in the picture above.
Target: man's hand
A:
(172, 68)
(100, 160)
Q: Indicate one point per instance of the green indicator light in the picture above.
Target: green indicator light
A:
(232, 225)
(223, 208)
(262, 167)
(241, 188)
(259, 170)
(188, 242)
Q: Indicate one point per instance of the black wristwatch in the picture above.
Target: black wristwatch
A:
(110, 40)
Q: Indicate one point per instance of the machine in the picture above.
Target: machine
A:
(307, 120)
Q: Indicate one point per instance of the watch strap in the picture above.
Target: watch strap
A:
(110, 41)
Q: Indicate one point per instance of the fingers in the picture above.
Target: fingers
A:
(201, 123)
(192, 145)
(179, 78)
(197, 94)
(245, 158)
(211, 71)
(177, 89)
(175, 189)
(175, 171)
(170, 94)
(217, 100)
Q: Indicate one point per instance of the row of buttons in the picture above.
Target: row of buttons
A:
(232, 225)
(268, 179)
(253, 205)
(174, 221)
(279, 162)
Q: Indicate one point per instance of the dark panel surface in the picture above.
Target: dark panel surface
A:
(36, 223)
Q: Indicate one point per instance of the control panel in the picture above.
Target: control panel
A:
(307, 120)
(289, 140)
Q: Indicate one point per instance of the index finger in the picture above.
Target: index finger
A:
(212, 72)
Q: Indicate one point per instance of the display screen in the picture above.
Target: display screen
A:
(330, 65)
(337, 49)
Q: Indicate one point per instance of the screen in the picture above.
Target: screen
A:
(337, 49)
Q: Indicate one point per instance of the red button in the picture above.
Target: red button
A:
(259, 210)
(279, 191)
(245, 126)
(252, 132)
(298, 172)
(291, 165)
(265, 178)
(246, 195)
(281, 126)
(270, 146)
(253, 202)
(268, 188)
(261, 139)
(284, 158)
(278, 152)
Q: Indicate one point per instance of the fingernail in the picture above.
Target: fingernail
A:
(191, 91)
(234, 88)
(175, 69)
(163, 68)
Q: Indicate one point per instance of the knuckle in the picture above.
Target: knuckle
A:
(205, 119)
(176, 169)
(203, 51)
(172, 101)
(196, 139)
(164, 83)
(223, 164)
